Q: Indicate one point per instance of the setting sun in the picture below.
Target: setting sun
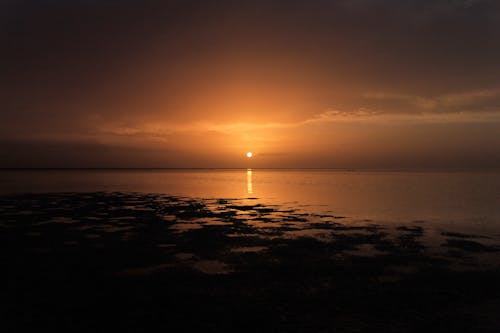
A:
(249, 154)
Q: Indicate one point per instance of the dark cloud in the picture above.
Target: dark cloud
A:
(54, 48)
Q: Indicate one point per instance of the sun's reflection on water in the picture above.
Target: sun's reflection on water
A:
(249, 181)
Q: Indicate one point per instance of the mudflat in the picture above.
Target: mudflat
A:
(133, 262)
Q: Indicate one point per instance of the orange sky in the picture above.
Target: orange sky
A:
(343, 84)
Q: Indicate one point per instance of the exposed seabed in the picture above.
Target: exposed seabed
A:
(134, 262)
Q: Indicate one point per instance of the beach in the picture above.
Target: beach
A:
(133, 261)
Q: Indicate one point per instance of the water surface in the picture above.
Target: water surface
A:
(467, 199)
(314, 249)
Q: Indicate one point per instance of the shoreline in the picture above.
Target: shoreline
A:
(234, 253)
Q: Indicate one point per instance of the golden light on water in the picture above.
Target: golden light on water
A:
(249, 181)
(249, 154)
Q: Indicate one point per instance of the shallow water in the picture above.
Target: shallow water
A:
(467, 201)
(203, 232)
(89, 247)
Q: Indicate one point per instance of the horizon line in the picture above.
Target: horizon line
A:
(458, 169)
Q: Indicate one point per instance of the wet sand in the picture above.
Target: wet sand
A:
(131, 262)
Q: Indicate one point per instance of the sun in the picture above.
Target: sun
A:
(249, 154)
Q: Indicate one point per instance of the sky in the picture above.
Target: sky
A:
(372, 84)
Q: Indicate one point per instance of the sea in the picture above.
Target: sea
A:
(276, 250)
(463, 201)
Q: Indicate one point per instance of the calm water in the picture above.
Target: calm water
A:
(381, 245)
(466, 201)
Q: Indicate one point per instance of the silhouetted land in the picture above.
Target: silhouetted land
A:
(135, 262)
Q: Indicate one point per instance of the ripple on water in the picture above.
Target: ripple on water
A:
(212, 267)
(249, 249)
(318, 234)
(184, 256)
(180, 227)
(365, 250)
